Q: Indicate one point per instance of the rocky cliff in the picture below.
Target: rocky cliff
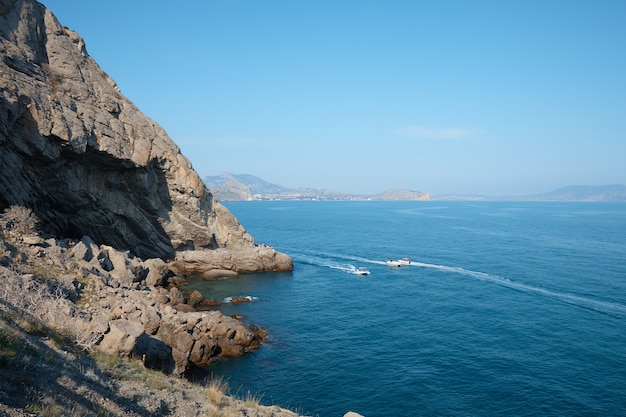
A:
(85, 159)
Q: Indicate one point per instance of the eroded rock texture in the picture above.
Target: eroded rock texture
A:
(84, 158)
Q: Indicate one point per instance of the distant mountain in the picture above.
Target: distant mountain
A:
(615, 192)
(608, 193)
(233, 190)
(244, 187)
(256, 184)
(240, 187)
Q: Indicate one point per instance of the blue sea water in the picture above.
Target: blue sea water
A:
(507, 308)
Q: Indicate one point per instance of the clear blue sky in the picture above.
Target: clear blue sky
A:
(440, 96)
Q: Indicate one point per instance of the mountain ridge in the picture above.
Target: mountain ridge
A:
(247, 187)
(225, 187)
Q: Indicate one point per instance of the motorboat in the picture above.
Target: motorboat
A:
(398, 263)
(362, 271)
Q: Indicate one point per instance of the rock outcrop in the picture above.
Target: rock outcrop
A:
(85, 159)
(244, 261)
(107, 298)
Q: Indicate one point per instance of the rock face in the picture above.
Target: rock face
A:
(85, 159)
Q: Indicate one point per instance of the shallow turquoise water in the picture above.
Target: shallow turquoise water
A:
(507, 308)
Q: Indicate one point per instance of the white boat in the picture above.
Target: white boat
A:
(399, 262)
(362, 271)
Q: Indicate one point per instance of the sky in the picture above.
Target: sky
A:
(441, 96)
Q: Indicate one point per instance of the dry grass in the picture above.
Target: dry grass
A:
(217, 391)
(252, 400)
(9, 345)
(133, 370)
(46, 407)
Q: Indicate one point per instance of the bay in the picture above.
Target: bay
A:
(507, 308)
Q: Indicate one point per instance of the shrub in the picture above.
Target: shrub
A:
(20, 220)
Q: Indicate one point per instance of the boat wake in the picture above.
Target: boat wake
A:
(321, 260)
(606, 307)
(240, 299)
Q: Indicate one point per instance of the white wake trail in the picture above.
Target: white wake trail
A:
(326, 263)
(606, 307)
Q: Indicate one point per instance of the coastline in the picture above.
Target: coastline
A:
(104, 330)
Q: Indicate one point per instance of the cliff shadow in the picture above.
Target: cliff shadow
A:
(89, 193)
(40, 376)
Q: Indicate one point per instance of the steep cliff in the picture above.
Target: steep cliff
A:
(84, 158)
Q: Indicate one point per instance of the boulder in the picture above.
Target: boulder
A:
(124, 267)
(213, 274)
(128, 339)
(151, 319)
(255, 259)
(195, 298)
(121, 338)
(233, 337)
(173, 334)
(204, 349)
(33, 240)
(81, 252)
(85, 249)
(184, 308)
(161, 298)
(176, 296)
(155, 354)
(240, 299)
(119, 259)
(100, 323)
(157, 272)
(104, 261)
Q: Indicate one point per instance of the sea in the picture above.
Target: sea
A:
(506, 308)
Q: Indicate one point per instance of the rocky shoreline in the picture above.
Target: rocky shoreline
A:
(130, 307)
(105, 300)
